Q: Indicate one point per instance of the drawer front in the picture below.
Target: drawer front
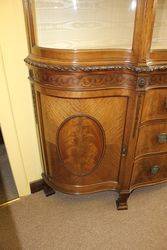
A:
(152, 139)
(150, 170)
(155, 105)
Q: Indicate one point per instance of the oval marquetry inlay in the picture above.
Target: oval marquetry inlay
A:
(80, 143)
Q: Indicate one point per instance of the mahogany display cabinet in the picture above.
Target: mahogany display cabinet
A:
(99, 78)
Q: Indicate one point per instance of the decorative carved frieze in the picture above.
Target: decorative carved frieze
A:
(84, 81)
(160, 79)
(73, 78)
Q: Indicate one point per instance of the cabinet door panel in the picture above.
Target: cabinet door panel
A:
(83, 138)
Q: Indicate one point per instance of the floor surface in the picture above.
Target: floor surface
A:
(90, 222)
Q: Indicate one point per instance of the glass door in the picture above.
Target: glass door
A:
(84, 24)
(159, 40)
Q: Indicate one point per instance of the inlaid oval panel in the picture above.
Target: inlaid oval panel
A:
(80, 143)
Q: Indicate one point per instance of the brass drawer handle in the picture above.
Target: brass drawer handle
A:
(155, 169)
(162, 138)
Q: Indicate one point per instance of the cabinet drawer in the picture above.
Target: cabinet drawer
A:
(150, 170)
(152, 139)
(155, 105)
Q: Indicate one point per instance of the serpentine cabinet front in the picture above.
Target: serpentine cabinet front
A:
(85, 131)
(99, 78)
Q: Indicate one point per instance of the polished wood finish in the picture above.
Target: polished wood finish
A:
(143, 175)
(148, 140)
(101, 114)
(144, 29)
(155, 105)
(122, 201)
(82, 136)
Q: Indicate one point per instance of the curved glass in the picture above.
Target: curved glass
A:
(159, 40)
(84, 24)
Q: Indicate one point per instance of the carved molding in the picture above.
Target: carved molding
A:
(137, 115)
(34, 103)
(75, 68)
(147, 69)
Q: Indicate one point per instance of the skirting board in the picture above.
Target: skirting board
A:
(36, 186)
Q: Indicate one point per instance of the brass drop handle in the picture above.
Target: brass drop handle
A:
(162, 138)
(155, 169)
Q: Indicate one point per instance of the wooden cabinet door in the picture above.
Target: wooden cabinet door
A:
(83, 141)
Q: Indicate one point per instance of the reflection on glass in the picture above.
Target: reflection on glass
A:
(85, 24)
(159, 40)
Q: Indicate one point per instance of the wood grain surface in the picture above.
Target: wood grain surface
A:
(155, 105)
(142, 174)
(148, 142)
(101, 113)
(102, 116)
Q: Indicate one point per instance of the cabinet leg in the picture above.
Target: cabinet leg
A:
(122, 201)
(48, 190)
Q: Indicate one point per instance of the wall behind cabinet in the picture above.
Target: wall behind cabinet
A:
(14, 49)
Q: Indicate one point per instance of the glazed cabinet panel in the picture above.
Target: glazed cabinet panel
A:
(160, 32)
(97, 24)
(83, 139)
